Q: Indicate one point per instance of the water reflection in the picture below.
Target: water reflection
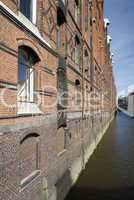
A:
(109, 174)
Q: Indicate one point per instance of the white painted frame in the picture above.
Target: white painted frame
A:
(34, 11)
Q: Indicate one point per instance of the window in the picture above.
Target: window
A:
(29, 158)
(77, 50)
(61, 20)
(86, 63)
(77, 11)
(61, 13)
(29, 9)
(63, 1)
(25, 8)
(78, 96)
(26, 62)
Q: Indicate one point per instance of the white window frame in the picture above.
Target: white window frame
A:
(25, 94)
(63, 1)
(33, 12)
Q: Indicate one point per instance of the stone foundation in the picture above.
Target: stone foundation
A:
(77, 166)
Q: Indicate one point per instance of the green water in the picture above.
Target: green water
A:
(109, 174)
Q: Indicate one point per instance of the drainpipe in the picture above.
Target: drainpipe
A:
(83, 99)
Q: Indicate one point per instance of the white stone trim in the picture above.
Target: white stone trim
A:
(34, 11)
(29, 178)
(8, 85)
(28, 108)
(61, 153)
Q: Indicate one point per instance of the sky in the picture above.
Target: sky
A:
(121, 15)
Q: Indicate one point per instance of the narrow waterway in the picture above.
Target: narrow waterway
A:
(109, 174)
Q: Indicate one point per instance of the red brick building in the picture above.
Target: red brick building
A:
(57, 93)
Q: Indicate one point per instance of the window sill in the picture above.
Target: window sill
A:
(28, 108)
(29, 179)
(26, 21)
(31, 26)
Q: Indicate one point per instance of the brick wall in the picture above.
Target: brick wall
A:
(37, 156)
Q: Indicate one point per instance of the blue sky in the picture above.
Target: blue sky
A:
(121, 15)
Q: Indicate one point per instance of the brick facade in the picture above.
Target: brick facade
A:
(45, 139)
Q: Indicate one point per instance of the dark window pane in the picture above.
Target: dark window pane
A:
(22, 72)
(25, 8)
(26, 61)
(22, 66)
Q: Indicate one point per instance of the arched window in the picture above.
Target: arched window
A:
(61, 19)
(77, 50)
(77, 11)
(26, 61)
(78, 96)
(77, 83)
(61, 13)
(29, 9)
(29, 158)
(86, 63)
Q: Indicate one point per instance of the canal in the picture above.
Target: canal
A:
(109, 174)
